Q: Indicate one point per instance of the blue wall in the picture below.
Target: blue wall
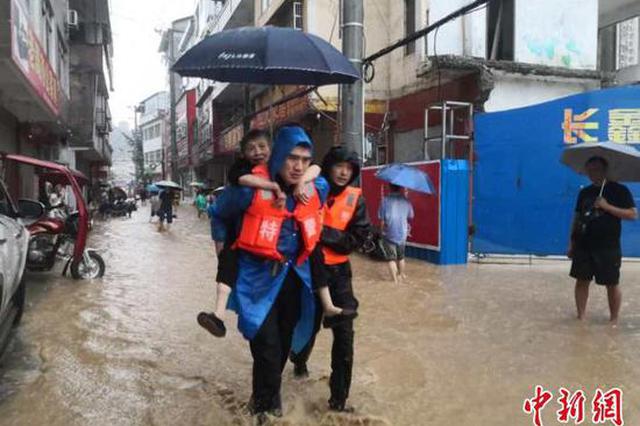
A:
(524, 197)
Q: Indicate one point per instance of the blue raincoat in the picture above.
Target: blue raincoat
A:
(257, 288)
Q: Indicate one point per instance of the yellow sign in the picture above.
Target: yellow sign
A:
(624, 125)
(575, 126)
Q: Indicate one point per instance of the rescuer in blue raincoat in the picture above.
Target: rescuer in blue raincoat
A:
(274, 299)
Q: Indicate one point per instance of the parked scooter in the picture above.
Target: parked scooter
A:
(52, 239)
(121, 207)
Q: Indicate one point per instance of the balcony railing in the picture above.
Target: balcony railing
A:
(225, 14)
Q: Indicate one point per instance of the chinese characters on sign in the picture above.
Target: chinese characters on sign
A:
(623, 125)
(606, 407)
(575, 126)
(31, 59)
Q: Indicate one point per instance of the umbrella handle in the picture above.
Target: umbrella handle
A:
(604, 182)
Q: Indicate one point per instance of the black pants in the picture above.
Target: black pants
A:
(271, 346)
(339, 278)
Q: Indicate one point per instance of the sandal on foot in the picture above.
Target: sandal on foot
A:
(211, 323)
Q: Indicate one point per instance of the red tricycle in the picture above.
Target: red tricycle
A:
(62, 225)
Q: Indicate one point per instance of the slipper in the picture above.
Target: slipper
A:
(335, 320)
(211, 323)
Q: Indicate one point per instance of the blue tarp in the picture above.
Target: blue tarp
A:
(524, 197)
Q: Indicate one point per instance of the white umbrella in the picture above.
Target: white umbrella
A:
(218, 190)
(623, 160)
(168, 184)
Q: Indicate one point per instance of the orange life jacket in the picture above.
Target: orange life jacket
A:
(262, 223)
(338, 217)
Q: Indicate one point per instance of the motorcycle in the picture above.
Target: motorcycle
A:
(59, 235)
(122, 207)
(52, 239)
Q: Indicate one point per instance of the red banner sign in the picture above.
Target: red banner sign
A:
(31, 59)
(425, 226)
(185, 131)
(231, 139)
(282, 113)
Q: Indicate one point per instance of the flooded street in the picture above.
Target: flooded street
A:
(456, 345)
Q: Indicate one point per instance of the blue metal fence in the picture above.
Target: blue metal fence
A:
(524, 197)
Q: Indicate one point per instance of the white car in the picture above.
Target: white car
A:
(14, 243)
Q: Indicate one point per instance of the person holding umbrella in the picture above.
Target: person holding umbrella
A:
(273, 293)
(165, 210)
(394, 214)
(166, 196)
(396, 210)
(269, 310)
(594, 244)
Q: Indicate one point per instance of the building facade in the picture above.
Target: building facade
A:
(123, 169)
(500, 56)
(54, 102)
(170, 49)
(151, 127)
(34, 82)
(619, 40)
(91, 80)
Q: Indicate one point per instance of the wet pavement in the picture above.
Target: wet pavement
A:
(457, 345)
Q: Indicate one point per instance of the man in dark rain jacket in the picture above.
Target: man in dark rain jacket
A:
(346, 228)
(273, 294)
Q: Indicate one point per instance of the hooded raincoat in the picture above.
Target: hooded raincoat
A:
(259, 280)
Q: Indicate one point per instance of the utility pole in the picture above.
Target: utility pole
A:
(172, 118)
(352, 101)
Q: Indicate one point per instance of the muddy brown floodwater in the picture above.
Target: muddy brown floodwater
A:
(454, 346)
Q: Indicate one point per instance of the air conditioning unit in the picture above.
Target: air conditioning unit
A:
(72, 18)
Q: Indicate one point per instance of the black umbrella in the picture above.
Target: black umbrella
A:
(267, 55)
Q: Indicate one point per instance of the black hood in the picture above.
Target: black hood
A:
(339, 154)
